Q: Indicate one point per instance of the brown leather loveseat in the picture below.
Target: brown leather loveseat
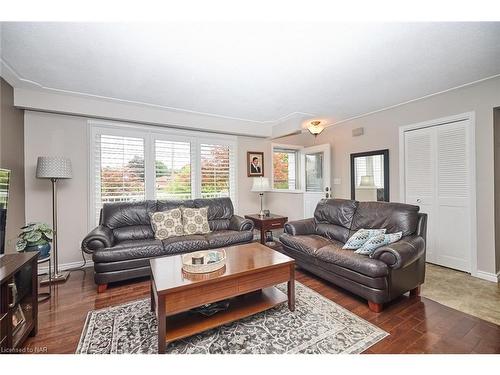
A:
(316, 245)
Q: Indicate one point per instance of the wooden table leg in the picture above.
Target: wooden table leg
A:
(152, 297)
(162, 325)
(291, 289)
(262, 236)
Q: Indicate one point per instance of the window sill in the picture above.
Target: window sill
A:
(286, 191)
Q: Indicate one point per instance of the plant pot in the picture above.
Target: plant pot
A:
(44, 250)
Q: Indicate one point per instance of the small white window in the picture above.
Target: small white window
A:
(285, 169)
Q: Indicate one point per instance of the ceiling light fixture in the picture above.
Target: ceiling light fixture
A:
(315, 127)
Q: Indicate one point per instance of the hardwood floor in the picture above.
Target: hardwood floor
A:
(416, 325)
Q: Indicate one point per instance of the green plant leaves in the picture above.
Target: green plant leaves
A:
(33, 236)
(21, 244)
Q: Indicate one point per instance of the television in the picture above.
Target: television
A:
(4, 198)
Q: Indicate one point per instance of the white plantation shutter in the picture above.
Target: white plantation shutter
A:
(217, 173)
(119, 169)
(133, 164)
(173, 170)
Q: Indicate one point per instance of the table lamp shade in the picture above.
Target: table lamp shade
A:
(367, 181)
(53, 167)
(260, 184)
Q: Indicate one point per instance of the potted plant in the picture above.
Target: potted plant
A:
(35, 237)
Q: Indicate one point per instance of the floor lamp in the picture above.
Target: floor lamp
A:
(54, 168)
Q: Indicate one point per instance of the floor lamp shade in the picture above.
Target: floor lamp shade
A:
(53, 167)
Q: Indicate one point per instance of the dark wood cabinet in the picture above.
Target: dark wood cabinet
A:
(18, 299)
(265, 223)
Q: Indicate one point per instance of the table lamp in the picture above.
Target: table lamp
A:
(260, 185)
(54, 168)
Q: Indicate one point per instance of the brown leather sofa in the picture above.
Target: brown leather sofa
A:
(124, 241)
(316, 245)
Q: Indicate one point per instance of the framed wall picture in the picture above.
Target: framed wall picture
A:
(255, 164)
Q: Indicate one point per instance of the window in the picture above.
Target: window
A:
(285, 169)
(120, 169)
(172, 170)
(131, 163)
(215, 171)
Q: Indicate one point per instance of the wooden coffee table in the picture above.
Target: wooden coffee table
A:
(251, 273)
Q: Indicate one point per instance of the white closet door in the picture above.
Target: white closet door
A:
(437, 175)
(453, 200)
(420, 175)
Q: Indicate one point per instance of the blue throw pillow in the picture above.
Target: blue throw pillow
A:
(375, 242)
(359, 238)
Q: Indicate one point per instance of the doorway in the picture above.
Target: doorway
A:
(315, 176)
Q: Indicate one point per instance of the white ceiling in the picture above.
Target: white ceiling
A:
(257, 72)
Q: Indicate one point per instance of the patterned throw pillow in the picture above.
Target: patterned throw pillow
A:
(167, 224)
(359, 238)
(375, 242)
(195, 220)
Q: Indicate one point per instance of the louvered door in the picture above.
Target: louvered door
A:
(437, 175)
(453, 191)
(420, 175)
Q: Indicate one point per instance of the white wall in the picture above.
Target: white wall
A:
(56, 135)
(381, 132)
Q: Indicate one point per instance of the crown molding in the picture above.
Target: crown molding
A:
(32, 94)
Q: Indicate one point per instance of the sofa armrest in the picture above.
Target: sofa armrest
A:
(240, 224)
(99, 238)
(301, 227)
(401, 253)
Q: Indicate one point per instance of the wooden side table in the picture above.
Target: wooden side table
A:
(265, 223)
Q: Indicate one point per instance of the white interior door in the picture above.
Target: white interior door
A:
(315, 176)
(437, 178)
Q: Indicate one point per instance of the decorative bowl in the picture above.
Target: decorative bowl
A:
(212, 261)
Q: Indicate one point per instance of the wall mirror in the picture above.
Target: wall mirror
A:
(370, 176)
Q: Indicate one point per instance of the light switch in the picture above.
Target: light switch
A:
(337, 181)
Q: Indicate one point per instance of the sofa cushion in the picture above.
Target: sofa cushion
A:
(307, 244)
(167, 223)
(125, 214)
(223, 238)
(395, 217)
(171, 204)
(334, 254)
(334, 218)
(218, 208)
(133, 232)
(219, 224)
(132, 249)
(185, 244)
(194, 220)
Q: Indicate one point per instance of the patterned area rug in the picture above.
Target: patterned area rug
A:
(318, 325)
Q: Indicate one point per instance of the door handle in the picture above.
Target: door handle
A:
(419, 200)
(13, 290)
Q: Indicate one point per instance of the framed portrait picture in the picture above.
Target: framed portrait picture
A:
(255, 164)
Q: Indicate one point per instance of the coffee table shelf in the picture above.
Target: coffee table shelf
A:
(187, 324)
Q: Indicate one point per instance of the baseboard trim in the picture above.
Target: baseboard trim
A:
(489, 276)
(66, 266)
